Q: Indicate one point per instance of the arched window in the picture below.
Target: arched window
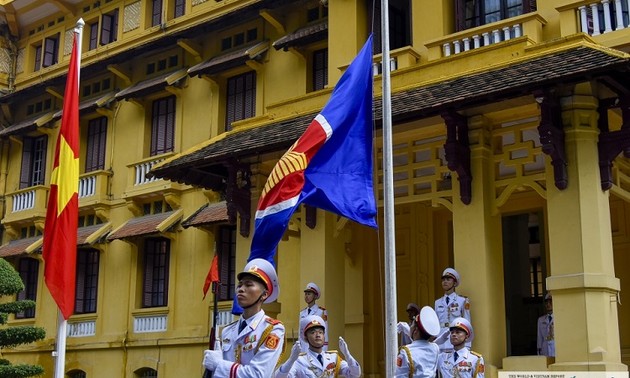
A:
(76, 374)
(146, 373)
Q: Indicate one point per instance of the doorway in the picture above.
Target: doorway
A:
(525, 269)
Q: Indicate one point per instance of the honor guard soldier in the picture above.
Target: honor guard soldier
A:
(449, 307)
(311, 295)
(404, 327)
(419, 359)
(461, 362)
(545, 341)
(252, 345)
(314, 362)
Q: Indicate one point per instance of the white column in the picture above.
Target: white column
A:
(506, 33)
(517, 31)
(583, 19)
(447, 49)
(496, 36)
(486, 38)
(466, 43)
(477, 40)
(607, 19)
(457, 46)
(618, 13)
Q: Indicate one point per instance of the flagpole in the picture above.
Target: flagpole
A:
(62, 327)
(391, 337)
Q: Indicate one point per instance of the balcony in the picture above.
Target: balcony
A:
(26, 204)
(141, 184)
(94, 188)
(529, 25)
(597, 18)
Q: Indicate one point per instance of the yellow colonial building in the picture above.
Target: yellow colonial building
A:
(511, 119)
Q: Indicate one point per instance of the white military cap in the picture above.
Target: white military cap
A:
(265, 272)
(450, 272)
(463, 323)
(428, 321)
(311, 321)
(311, 286)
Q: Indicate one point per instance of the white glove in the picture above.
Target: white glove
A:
(211, 359)
(443, 337)
(295, 353)
(355, 368)
(403, 328)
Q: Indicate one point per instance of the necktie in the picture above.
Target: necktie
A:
(320, 359)
(242, 326)
(549, 318)
(447, 299)
(455, 356)
(309, 311)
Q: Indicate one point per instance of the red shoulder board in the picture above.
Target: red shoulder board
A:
(273, 321)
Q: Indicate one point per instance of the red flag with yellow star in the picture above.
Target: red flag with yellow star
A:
(60, 229)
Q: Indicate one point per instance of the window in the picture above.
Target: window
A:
(155, 281)
(51, 50)
(156, 12)
(33, 161)
(93, 43)
(399, 25)
(473, 13)
(29, 272)
(96, 139)
(320, 69)
(146, 373)
(109, 29)
(163, 126)
(227, 261)
(38, 58)
(180, 8)
(241, 98)
(87, 281)
(76, 374)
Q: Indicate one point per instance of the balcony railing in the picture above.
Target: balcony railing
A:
(141, 169)
(94, 186)
(26, 203)
(604, 16)
(529, 25)
(81, 329)
(23, 200)
(143, 324)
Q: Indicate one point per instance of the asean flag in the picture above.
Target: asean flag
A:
(60, 229)
(330, 166)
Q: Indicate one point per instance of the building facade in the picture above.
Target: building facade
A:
(510, 133)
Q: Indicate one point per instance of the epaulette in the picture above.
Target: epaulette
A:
(272, 321)
(476, 354)
(331, 351)
(302, 354)
(227, 325)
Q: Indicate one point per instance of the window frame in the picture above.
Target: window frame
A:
(240, 100)
(28, 269)
(86, 297)
(226, 251)
(478, 18)
(155, 277)
(96, 144)
(319, 72)
(109, 27)
(163, 118)
(33, 169)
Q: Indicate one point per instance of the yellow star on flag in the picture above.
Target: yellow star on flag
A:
(65, 175)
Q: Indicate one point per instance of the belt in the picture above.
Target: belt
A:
(446, 324)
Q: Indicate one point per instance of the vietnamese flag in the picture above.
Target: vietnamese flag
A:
(213, 275)
(60, 229)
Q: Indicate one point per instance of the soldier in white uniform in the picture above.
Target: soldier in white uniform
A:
(419, 359)
(461, 362)
(315, 362)
(311, 295)
(252, 345)
(449, 307)
(545, 340)
(404, 327)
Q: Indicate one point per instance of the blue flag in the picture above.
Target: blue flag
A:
(330, 166)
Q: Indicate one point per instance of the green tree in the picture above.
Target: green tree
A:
(10, 337)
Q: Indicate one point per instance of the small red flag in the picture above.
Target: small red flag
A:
(213, 275)
(60, 228)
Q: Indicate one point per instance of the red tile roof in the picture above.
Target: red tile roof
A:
(208, 214)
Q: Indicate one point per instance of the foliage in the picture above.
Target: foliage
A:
(12, 336)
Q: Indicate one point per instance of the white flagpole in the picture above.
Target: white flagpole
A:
(60, 353)
(391, 337)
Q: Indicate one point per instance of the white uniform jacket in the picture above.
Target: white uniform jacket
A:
(418, 359)
(468, 364)
(252, 353)
(458, 306)
(308, 366)
(322, 313)
(545, 341)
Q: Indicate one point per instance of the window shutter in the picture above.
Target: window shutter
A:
(460, 15)
(93, 36)
(39, 160)
(38, 58)
(156, 18)
(27, 154)
(180, 8)
(529, 6)
(170, 126)
(320, 69)
(51, 47)
(250, 95)
(109, 28)
(79, 302)
(149, 262)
